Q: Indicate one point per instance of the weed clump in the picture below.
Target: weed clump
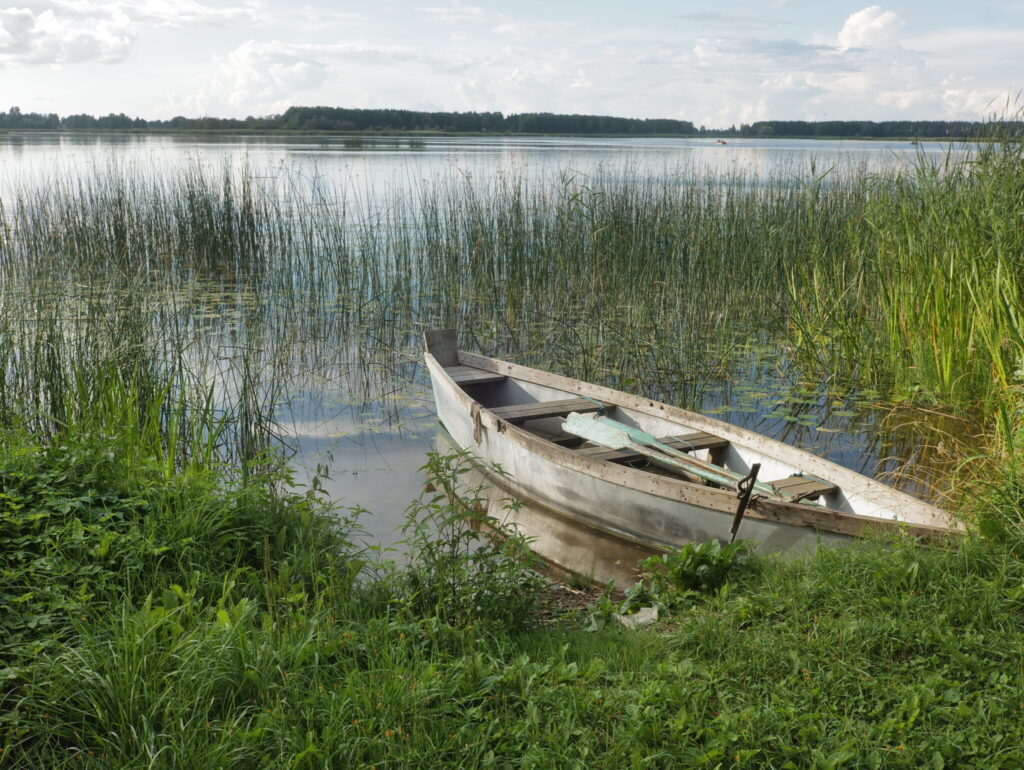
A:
(465, 566)
(702, 567)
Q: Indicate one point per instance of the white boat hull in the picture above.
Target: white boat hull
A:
(643, 510)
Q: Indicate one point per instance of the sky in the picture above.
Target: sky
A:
(713, 63)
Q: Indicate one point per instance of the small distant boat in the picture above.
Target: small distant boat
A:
(627, 475)
(721, 141)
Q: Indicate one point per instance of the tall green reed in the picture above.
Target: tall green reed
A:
(926, 300)
(243, 291)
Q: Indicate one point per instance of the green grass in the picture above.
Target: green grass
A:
(168, 621)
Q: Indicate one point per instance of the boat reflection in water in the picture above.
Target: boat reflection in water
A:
(566, 545)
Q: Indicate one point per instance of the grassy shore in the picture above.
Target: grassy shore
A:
(168, 620)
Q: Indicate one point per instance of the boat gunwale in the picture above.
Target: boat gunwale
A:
(716, 500)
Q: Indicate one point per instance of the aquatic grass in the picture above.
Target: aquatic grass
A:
(261, 292)
(930, 309)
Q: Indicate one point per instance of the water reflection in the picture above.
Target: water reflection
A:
(375, 164)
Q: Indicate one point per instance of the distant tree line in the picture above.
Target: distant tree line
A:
(345, 119)
(924, 129)
(15, 118)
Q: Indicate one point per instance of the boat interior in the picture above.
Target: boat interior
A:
(691, 454)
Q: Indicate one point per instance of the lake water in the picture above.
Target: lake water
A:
(375, 164)
(366, 456)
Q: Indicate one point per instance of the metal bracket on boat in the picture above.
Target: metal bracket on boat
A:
(743, 489)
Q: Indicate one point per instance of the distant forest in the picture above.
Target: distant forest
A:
(344, 119)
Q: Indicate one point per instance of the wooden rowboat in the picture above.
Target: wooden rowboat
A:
(646, 475)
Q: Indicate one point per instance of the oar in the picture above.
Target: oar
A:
(615, 438)
(643, 437)
(616, 435)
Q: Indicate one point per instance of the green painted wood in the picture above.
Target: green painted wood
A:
(616, 435)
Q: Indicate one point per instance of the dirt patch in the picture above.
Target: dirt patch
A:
(560, 602)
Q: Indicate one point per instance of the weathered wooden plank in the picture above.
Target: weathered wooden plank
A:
(522, 412)
(804, 487)
(443, 345)
(561, 438)
(686, 443)
(470, 375)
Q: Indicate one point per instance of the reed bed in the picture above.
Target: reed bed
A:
(241, 292)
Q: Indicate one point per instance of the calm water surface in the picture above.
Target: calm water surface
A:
(374, 163)
(369, 459)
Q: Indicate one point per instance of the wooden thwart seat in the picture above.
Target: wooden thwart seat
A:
(470, 375)
(804, 487)
(561, 438)
(518, 413)
(685, 443)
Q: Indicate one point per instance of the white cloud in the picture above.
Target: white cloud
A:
(906, 99)
(268, 72)
(16, 25)
(761, 58)
(581, 80)
(160, 13)
(257, 75)
(862, 71)
(266, 77)
(69, 31)
(504, 24)
(968, 39)
(870, 27)
(455, 13)
(967, 99)
(47, 38)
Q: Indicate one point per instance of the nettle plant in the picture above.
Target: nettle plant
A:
(465, 566)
